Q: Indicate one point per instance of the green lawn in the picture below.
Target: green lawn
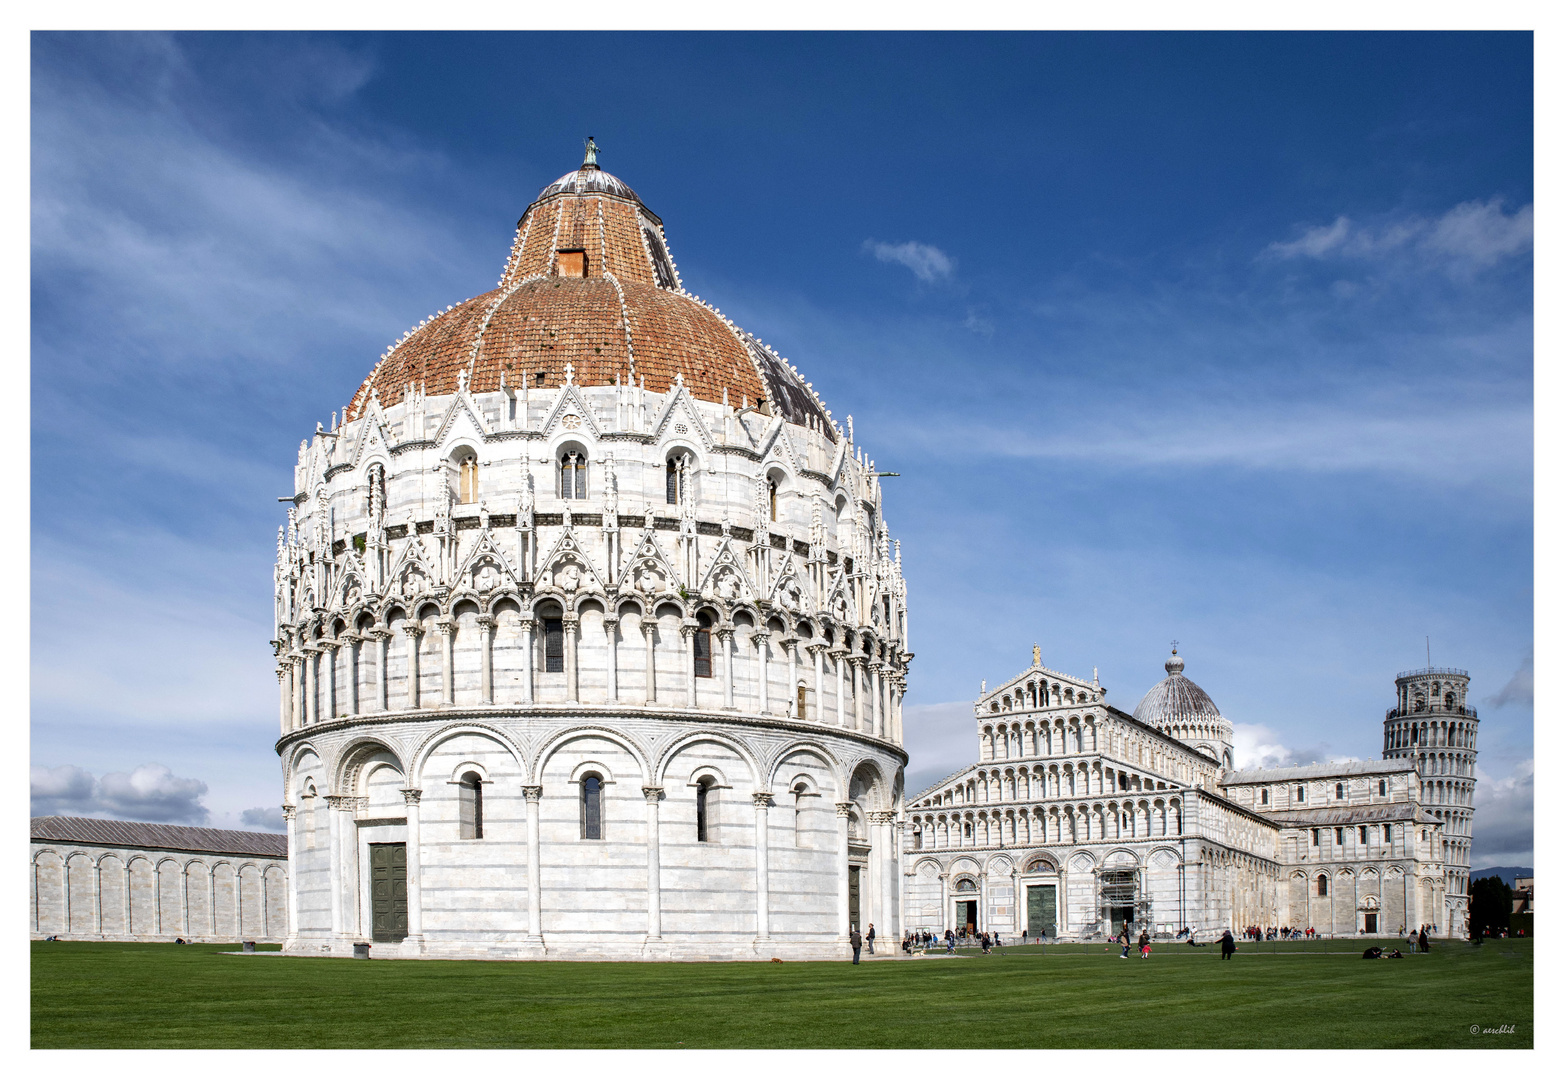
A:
(132, 995)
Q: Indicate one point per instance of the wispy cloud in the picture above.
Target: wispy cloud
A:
(1472, 235)
(268, 818)
(147, 793)
(927, 262)
(1502, 821)
(1519, 689)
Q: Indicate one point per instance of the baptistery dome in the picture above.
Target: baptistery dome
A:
(591, 634)
(1176, 706)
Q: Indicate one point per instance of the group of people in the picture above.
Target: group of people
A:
(857, 940)
(1277, 933)
(1143, 943)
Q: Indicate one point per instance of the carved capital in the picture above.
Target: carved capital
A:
(881, 817)
(761, 799)
(289, 811)
(652, 792)
(485, 622)
(411, 795)
(843, 809)
(610, 621)
(571, 622)
(532, 792)
(446, 626)
(412, 629)
(725, 634)
(527, 624)
(760, 637)
(342, 802)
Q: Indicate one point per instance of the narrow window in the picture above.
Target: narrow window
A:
(803, 702)
(1450, 701)
(591, 807)
(472, 806)
(771, 490)
(1338, 835)
(1265, 798)
(675, 483)
(703, 810)
(467, 481)
(1363, 834)
(573, 476)
(553, 644)
(1381, 787)
(1387, 834)
(1322, 886)
(572, 264)
(703, 649)
(1315, 833)
(1341, 791)
(1300, 793)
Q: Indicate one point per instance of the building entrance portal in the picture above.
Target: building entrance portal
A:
(1042, 911)
(1371, 923)
(967, 916)
(388, 891)
(854, 876)
(1122, 917)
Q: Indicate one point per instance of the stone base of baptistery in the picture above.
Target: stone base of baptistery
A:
(791, 805)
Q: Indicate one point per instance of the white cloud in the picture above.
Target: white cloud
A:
(940, 739)
(927, 262)
(150, 792)
(1502, 829)
(1520, 687)
(268, 818)
(1472, 235)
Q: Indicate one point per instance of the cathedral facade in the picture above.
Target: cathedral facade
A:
(1078, 819)
(591, 638)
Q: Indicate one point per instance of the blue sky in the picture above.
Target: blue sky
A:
(1224, 338)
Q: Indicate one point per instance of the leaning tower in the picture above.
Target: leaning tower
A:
(1432, 726)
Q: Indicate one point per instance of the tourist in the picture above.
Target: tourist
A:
(1229, 947)
(857, 942)
(1145, 945)
(870, 939)
(1422, 940)
(1124, 938)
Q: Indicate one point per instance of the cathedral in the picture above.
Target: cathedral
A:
(591, 636)
(1078, 819)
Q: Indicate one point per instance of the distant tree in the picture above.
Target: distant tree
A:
(1489, 901)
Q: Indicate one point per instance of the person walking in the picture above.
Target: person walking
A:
(856, 940)
(1229, 947)
(1422, 940)
(1145, 945)
(1124, 939)
(950, 942)
(870, 939)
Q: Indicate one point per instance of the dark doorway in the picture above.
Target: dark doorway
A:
(967, 916)
(1371, 924)
(853, 873)
(1042, 911)
(388, 891)
(1123, 919)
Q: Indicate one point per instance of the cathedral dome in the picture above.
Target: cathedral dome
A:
(589, 284)
(1176, 701)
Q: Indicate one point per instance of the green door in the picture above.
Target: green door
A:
(852, 896)
(1042, 911)
(388, 890)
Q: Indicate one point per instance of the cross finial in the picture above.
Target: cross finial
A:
(1175, 646)
(590, 161)
(570, 372)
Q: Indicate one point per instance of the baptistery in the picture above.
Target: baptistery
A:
(591, 637)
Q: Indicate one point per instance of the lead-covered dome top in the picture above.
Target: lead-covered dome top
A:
(1176, 700)
(590, 284)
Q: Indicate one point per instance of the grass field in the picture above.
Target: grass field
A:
(134, 995)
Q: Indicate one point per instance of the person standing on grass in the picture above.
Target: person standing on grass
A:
(1145, 945)
(1422, 940)
(1229, 947)
(1124, 939)
(856, 940)
(870, 939)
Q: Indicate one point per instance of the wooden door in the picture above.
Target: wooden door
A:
(852, 896)
(388, 890)
(1042, 911)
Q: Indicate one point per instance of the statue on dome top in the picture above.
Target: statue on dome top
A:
(590, 161)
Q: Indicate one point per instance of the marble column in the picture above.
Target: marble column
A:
(334, 830)
(649, 632)
(687, 631)
(877, 685)
(1018, 904)
(654, 896)
(284, 695)
(571, 625)
(311, 679)
(818, 647)
(762, 663)
(329, 660)
(413, 631)
(290, 819)
(534, 796)
(838, 655)
(529, 661)
(184, 902)
(946, 919)
(382, 664)
(611, 640)
(296, 689)
(486, 643)
(884, 852)
(97, 898)
(843, 811)
(762, 801)
(857, 662)
(447, 661)
(415, 889)
(351, 641)
(789, 644)
(725, 640)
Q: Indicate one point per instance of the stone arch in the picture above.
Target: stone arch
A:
(682, 743)
(828, 761)
(355, 756)
(867, 782)
(421, 754)
(630, 745)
